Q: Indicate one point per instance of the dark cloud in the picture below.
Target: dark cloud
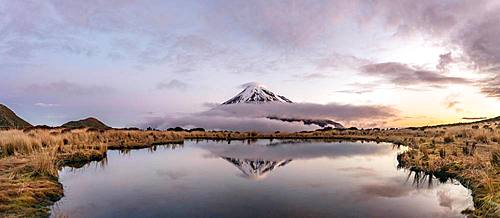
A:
(479, 40)
(434, 17)
(172, 84)
(444, 61)
(474, 118)
(491, 87)
(402, 74)
(471, 26)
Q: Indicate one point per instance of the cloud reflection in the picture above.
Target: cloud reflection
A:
(278, 152)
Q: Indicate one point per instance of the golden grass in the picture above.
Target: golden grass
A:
(30, 159)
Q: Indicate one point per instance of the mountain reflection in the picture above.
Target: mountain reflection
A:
(256, 169)
(285, 150)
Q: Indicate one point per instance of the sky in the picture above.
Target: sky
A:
(378, 63)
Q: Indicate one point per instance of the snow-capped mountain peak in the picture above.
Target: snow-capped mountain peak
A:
(255, 93)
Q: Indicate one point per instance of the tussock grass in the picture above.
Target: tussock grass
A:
(29, 159)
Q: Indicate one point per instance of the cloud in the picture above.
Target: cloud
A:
(281, 151)
(67, 88)
(359, 171)
(226, 123)
(172, 175)
(444, 199)
(246, 117)
(311, 76)
(470, 26)
(304, 110)
(289, 25)
(402, 74)
(451, 102)
(491, 87)
(386, 190)
(172, 84)
(41, 104)
(210, 104)
(337, 60)
(474, 118)
(479, 40)
(256, 84)
(355, 91)
(444, 61)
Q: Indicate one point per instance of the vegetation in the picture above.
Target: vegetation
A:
(30, 159)
(86, 123)
(8, 119)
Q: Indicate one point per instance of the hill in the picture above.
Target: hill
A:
(9, 119)
(490, 120)
(86, 123)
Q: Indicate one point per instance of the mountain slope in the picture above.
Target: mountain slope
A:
(256, 94)
(9, 119)
(86, 123)
(488, 120)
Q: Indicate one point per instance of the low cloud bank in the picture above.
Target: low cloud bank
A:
(252, 117)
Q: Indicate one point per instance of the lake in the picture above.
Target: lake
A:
(263, 178)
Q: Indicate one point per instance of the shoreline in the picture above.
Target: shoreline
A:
(424, 155)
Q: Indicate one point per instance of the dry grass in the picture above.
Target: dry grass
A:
(29, 159)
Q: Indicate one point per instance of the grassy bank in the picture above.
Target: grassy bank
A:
(30, 159)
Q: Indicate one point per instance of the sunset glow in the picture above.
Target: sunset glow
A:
(128, 62)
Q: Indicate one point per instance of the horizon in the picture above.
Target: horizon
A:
(138, 63)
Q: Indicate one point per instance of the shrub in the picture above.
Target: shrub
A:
(495, 158)
(43, 165)
(481, 138)
(448, 139)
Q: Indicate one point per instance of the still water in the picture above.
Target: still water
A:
(257, 179)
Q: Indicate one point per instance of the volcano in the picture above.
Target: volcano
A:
(256, 94)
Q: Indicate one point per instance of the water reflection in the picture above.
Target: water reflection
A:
(256, 169)
(171, 146)
(295, 179)
(303, 149)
